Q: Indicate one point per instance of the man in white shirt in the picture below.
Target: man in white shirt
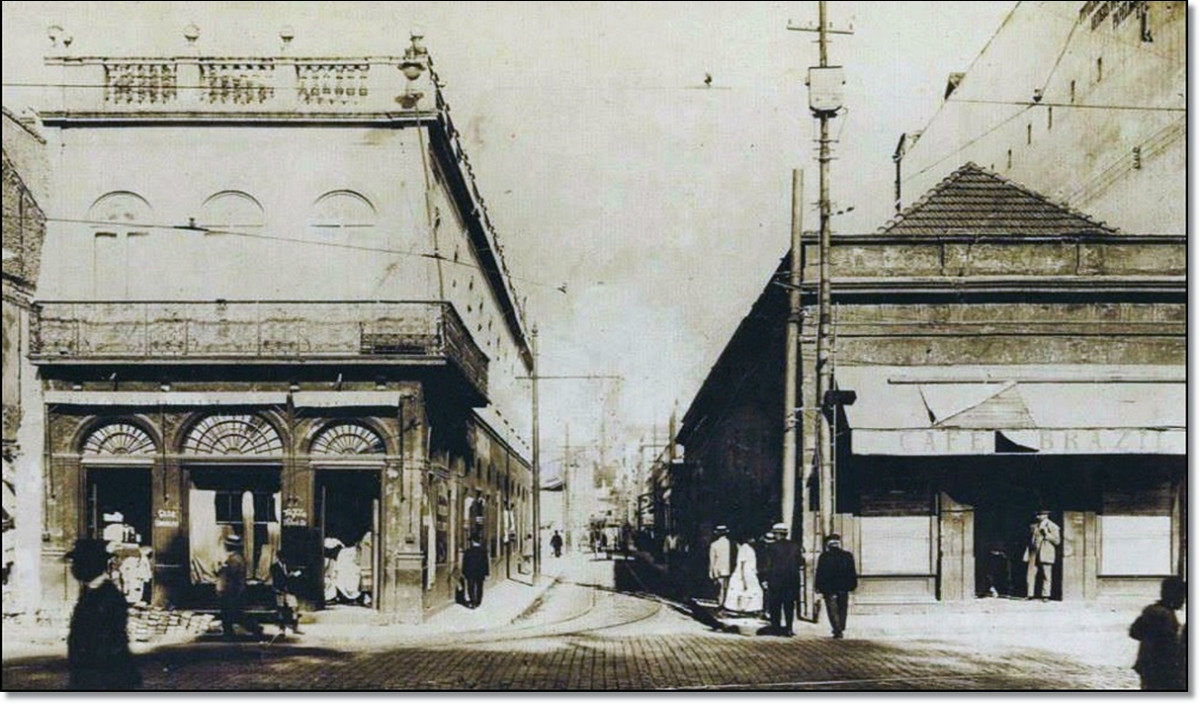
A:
(719, 562)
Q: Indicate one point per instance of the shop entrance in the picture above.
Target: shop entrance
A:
(1004, 513)
(118, 512)
(348, 516)
(241, 501)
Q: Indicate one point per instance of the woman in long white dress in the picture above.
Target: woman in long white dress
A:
(745, 594)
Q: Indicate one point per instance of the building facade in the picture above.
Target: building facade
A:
(273, 305)
(24, 179)
(1084, 102)
(1007, 355)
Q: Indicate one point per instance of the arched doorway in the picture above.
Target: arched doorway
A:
(348, 459)
(118, 459)
(233, 464)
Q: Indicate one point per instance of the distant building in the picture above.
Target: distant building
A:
(24, 178)
(272, 304)
(1007, 355)
(1084, 102)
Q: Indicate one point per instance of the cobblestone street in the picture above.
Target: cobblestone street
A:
(584, 635)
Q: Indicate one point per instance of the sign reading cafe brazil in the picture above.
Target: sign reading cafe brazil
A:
(1069, 441)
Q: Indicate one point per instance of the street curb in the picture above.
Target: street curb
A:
(538, 600)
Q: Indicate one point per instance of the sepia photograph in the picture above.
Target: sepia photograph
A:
(595, 347)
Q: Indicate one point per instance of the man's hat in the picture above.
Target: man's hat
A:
(833, 539)
(86, 548)
(779, 528)
(233, 540)
(722, 529)
(1043, 512)
(89, 551)
(114, 517)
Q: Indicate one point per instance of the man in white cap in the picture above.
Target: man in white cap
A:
(781, 576)
(836, 578)
(719, 562)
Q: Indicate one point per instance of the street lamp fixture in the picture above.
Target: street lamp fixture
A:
(413, 66)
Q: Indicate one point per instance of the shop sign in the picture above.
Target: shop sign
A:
(166, 518)
(295, 517)
(1056, 441)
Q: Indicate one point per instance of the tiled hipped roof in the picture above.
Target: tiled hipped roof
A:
(975, 201)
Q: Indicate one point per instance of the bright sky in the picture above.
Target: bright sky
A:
(607, 165)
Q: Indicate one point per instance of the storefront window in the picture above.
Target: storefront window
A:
(896, 545)
(228, 505)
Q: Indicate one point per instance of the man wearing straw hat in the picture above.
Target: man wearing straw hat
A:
(781, 573)
(720, 564)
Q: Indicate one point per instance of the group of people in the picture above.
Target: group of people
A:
(770, 572)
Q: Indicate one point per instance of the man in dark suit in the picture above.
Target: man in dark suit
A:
(474, 570)
(836, 578)
(781, 577)
(98, 656)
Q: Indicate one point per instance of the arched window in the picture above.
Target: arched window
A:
(118, 439)
(348, 439)
(231, 211)
(233, 435)
(341, 214)
(119, 220)
(123, 208)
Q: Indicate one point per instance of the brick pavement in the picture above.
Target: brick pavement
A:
(588, 637)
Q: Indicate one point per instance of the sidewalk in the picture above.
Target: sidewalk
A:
(503, 604)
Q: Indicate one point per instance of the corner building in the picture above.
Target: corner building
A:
(1006, 355)
(272, 304)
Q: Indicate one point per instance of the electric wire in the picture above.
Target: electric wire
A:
(292, 240)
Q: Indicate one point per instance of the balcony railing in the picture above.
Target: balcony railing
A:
(255, 331)
(262, 85)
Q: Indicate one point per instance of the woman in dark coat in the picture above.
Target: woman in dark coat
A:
(98, 644)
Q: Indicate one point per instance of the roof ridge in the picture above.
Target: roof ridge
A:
(971, 167)
(1041, 197)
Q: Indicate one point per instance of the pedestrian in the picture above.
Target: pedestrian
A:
(783, 563)
(98, 656)
(283, 576)
(1041, 553)
(670, 547)
(231, 590)
(720, 566)
(1162, 650)
(836, 578)
(556, 544)
(745, 594)
(475, 569)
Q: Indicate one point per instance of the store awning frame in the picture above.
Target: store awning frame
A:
(1016, 410)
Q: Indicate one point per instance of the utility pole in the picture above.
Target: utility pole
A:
(791, 426)
(534, 377)
(825, 84)
(537, 464)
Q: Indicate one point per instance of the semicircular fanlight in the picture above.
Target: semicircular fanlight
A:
(348, 439)
(233, 435)
(119, 439)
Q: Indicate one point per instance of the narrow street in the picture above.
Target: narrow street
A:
(584, 635)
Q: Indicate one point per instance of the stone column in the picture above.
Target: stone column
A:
(956, 569)
(402, 590)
